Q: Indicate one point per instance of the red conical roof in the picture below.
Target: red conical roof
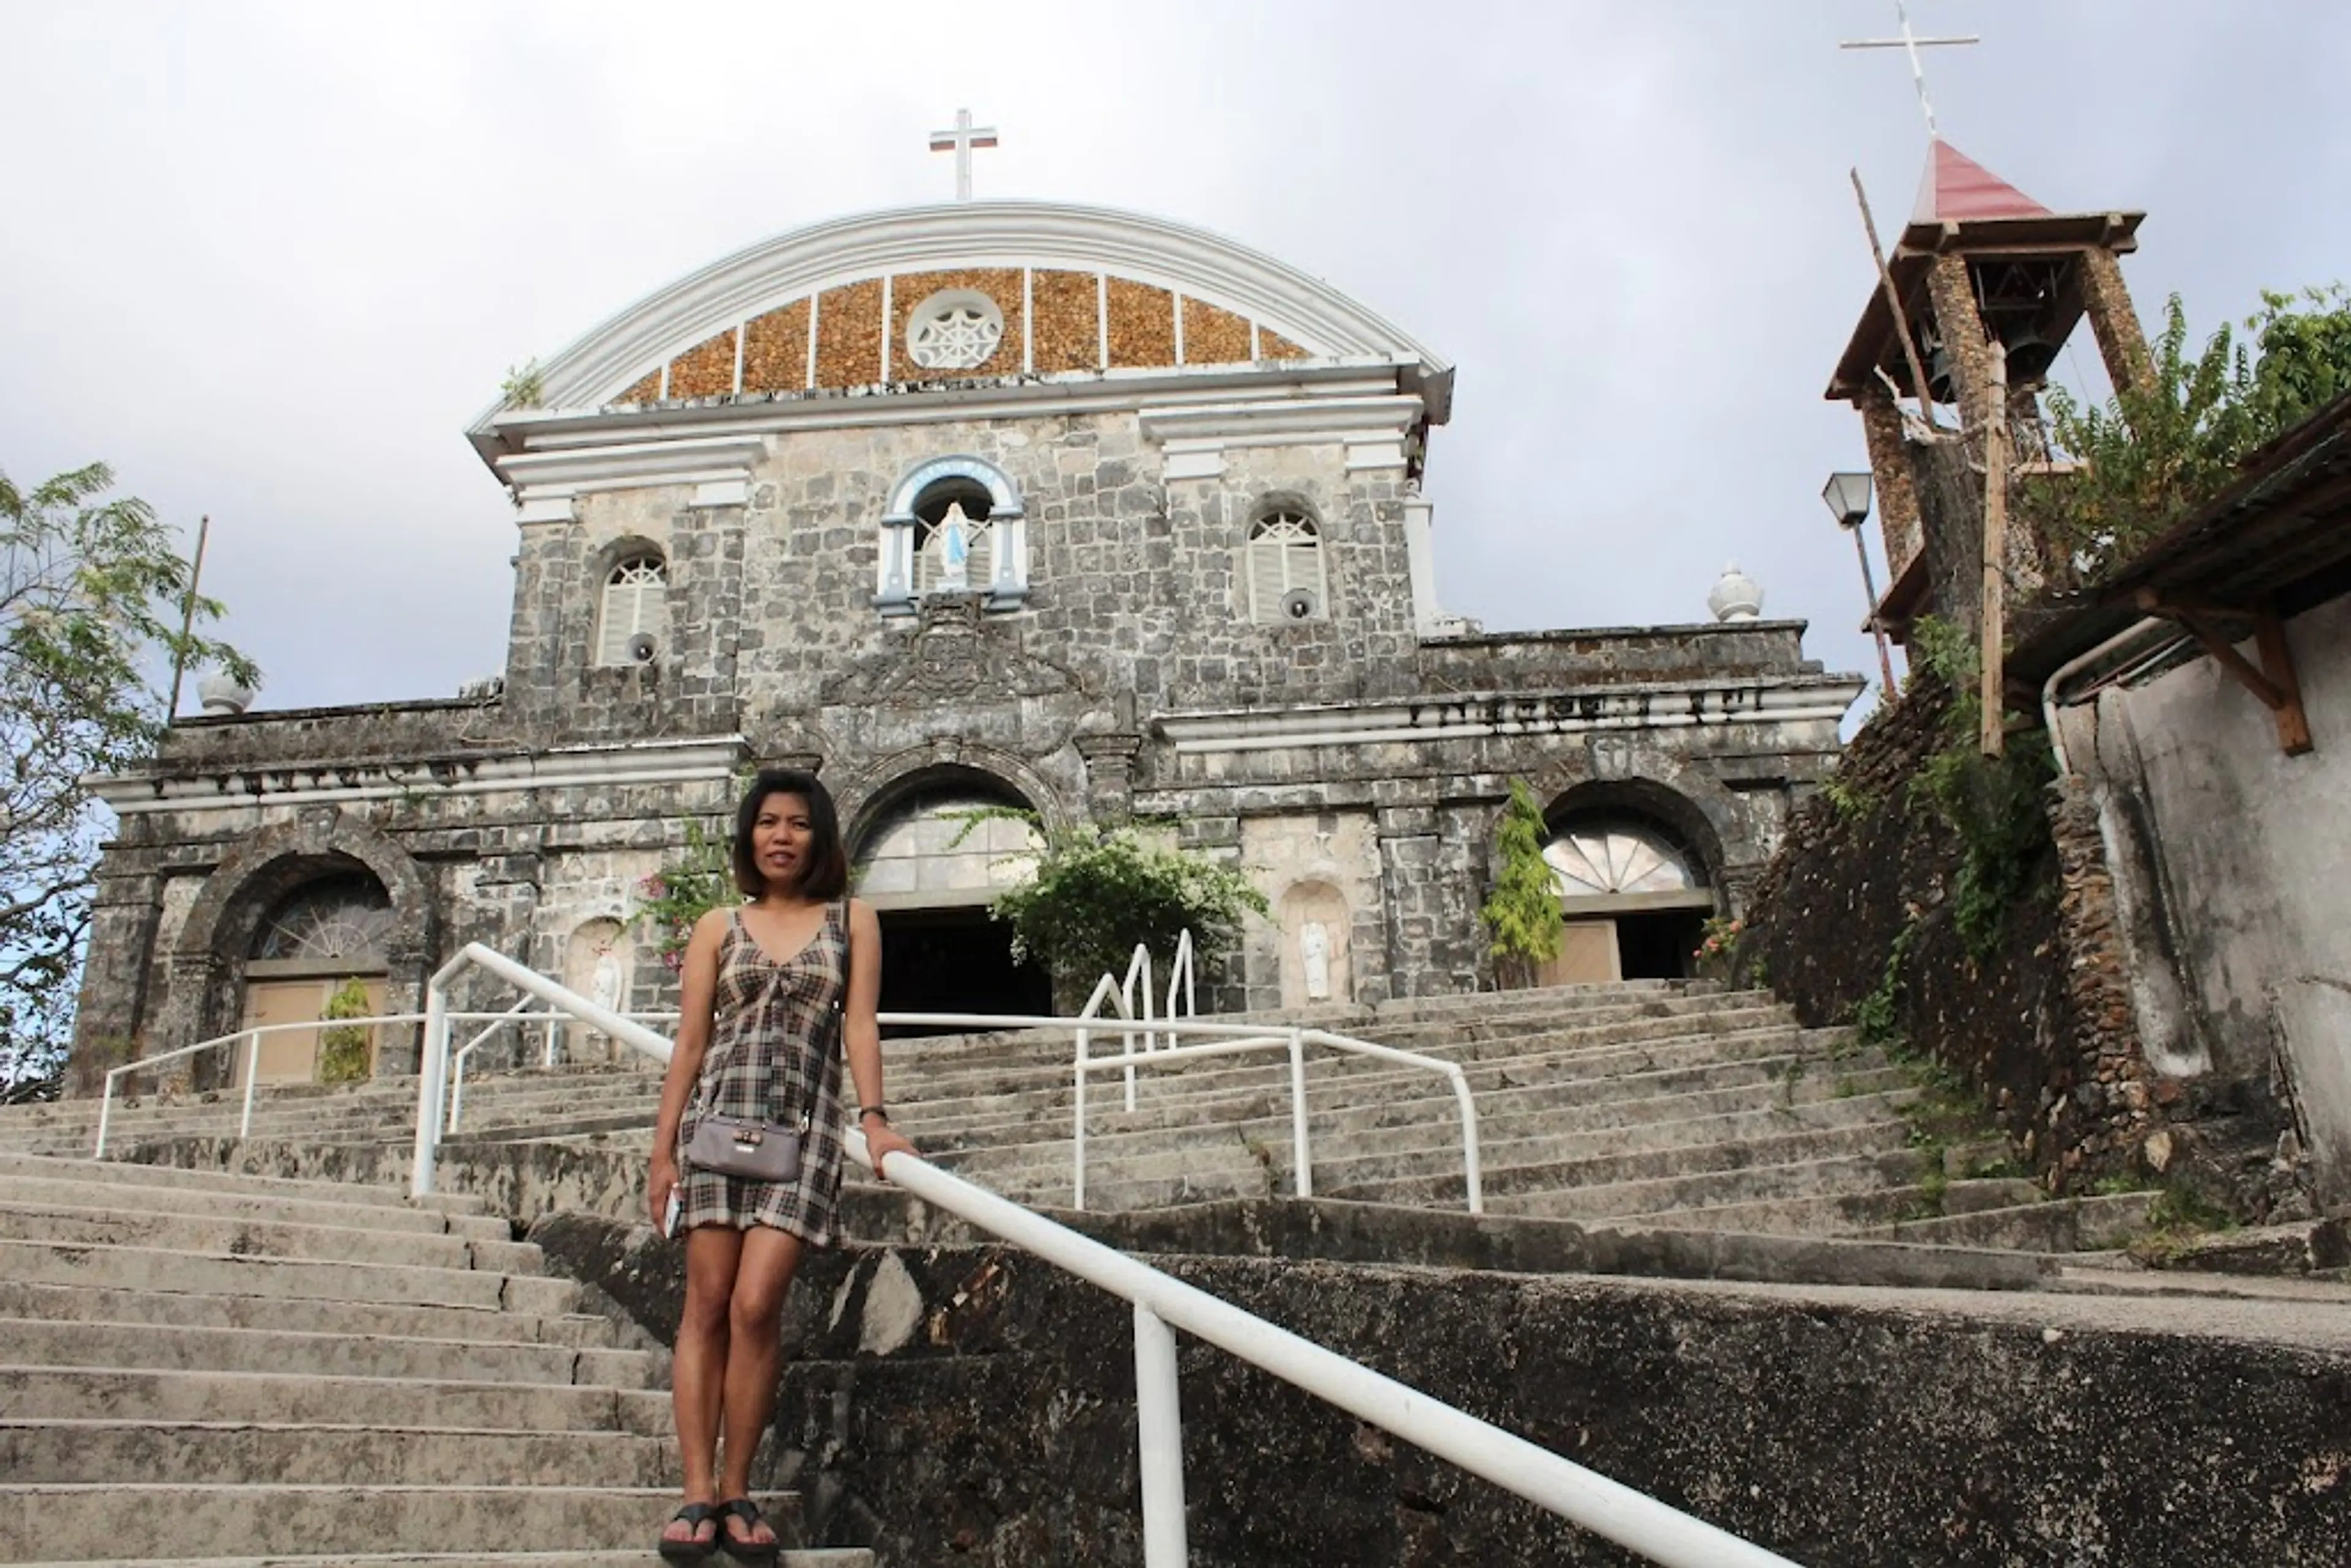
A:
(1958, 188)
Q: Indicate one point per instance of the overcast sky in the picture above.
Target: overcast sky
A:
(269, 260)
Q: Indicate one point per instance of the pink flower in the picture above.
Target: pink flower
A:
(673, 962)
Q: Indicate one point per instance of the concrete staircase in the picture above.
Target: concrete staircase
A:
(197, 1368)
(1643, 1105)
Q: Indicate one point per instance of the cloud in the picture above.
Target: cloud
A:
(268, 260)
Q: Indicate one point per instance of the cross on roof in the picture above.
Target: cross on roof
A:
(1910, 44)
(960, 139)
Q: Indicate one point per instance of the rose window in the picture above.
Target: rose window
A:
(956, 330)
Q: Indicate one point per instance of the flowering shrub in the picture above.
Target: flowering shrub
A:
(1720, 939)
(682, 892)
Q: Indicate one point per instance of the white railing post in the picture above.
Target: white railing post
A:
(1078, 1199)
(252, 1077)
(429, 1080)
(1299, 1153)
(1472, 1165)
(1159, 1438)
(105, 1114)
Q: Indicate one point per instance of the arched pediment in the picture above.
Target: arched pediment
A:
(1076, 289)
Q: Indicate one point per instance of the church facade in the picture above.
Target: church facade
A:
(1003, 503)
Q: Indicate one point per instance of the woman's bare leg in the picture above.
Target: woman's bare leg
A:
(762, 1278)
(698, 1368)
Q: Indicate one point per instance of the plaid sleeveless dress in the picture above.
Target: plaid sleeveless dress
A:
(773, 1031)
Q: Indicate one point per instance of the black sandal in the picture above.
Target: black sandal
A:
(744, 1508)
(696, 1515)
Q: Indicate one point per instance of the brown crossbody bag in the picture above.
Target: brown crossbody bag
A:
(758, 1148)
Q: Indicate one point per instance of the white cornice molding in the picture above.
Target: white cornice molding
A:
(1471, 716)
(549, 457)
(1191, 261)
(241, 785)
(1195, 437)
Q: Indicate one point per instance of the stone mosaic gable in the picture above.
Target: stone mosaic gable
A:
(1054, 321)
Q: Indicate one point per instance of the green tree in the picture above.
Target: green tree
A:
(1523, 912)
(92, 590)
(343, 1055)
(2149, 453)
(1095, 896)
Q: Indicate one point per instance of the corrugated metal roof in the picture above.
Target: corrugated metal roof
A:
(2281, 537)
(1955, 188)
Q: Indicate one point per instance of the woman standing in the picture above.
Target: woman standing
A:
(776, 992)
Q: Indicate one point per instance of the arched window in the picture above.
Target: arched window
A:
(634, 614)
(1283, 570)
(954, 525)
(343, 922)
(954, 546)
(1604, 858)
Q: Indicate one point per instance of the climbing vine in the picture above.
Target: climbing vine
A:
(1992, 804)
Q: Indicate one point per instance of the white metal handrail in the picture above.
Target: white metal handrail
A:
(518, 1014)
(1162, 1303)
(1123, 991)
(251, 1038)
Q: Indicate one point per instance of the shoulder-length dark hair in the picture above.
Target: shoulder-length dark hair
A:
(824, 875)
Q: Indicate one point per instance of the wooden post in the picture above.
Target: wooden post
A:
(1893, 303)
(188, 617)
(1992, 660)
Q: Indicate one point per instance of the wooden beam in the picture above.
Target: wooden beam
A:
(2274, 681)
(2277, 663)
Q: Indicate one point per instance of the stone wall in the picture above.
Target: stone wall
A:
(973, 1404)
(2045, 1027)
(2231, 910)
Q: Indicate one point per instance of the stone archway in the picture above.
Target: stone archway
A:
(1635, 865)
(930, 873)
(208, 964)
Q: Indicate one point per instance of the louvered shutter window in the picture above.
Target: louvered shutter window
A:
(1285, 556)
(635, 599)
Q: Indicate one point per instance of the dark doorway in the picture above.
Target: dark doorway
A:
(953, 961)
(1660, 946)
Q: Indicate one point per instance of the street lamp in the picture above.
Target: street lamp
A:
(1847, 496)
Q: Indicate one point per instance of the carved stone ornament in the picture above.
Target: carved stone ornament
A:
(951, 657)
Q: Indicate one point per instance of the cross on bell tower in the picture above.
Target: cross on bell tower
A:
(960, 139)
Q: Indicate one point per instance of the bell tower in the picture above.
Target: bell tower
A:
(1979, 265)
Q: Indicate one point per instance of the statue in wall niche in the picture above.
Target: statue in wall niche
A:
(604, 990)
(955, 549)
(1314, 956)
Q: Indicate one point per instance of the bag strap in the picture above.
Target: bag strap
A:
(836, 911)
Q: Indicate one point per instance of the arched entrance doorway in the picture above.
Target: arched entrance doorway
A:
(320, 951)
(930, 873)
(1632, 901)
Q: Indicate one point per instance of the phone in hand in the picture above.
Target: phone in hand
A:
(669, 1215)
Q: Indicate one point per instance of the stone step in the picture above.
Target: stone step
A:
(160, 1268)
(1631, 1151)
(260, 1238)
(114, 1520)
(1176, 1084)
(129, 1174)
(40, 1342)
(1356, 1164)
(74, 1303)
(1646, 1199)
(42, 1393)
(63, 1192)
(950, 1083)
(1578, 1083)
(799, 1557)
(216, 1453)
(2089, 1224)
